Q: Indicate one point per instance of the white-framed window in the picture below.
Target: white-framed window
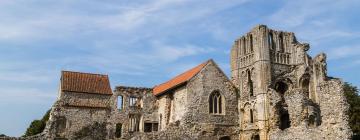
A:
(216, 103)
(132, 101)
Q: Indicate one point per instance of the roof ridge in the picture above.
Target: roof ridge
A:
(84, 72)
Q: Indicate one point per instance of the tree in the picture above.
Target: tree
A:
(352, 95)
(37, 126)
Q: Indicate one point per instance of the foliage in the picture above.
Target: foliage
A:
(37, 126)
(2, 135)
(352, 95)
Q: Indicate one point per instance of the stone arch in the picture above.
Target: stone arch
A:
(216, 103)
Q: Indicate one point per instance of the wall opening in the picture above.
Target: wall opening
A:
(151, 127)
(225, 138)
(147, 127)
(305, 83)
(255, 137)
(120, 102)
(118, 128)
(132, 101)
(215, 103)
(311, 121)
(160, 121)
(250, 83)
(243, 42)
(251, 44)
(281, 87)
(134, 121)
(271, 41)
(284, 119)
(251, 116)
(281, 44)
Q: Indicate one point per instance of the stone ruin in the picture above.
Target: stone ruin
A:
(276, 92)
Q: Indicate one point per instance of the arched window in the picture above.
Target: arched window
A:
(281, 44)
(215, 103)
(120, 102)
(271, 41)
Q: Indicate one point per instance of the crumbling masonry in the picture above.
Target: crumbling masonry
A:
(276, 91)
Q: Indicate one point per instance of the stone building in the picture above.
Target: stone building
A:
(276, 91)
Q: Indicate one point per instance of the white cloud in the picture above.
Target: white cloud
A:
(343, 52)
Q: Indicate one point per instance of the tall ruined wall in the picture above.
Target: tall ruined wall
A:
(144, 110)
(282, 89)
(79, 116)
(173, 106)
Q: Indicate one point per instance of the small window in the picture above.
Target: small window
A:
(251, 116)
(120, 102)
(147, 127)
(132, 101)
(215, 103)
(151, 127)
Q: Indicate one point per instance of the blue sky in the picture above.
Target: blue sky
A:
(143, 43)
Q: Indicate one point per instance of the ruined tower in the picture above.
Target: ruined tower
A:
(279, 84)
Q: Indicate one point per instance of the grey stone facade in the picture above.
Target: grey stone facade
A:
(283, 91)
(276, 91)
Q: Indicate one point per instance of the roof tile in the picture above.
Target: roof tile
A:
(85, 83)
(178, 80)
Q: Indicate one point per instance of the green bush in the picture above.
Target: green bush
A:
(352, 95)
(37, 126)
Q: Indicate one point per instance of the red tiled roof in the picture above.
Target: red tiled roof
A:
(178, 80)
(85, 83)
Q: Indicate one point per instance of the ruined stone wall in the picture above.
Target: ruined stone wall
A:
(145, 109)
(282, 89)
(178, 105)
(72, 118)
